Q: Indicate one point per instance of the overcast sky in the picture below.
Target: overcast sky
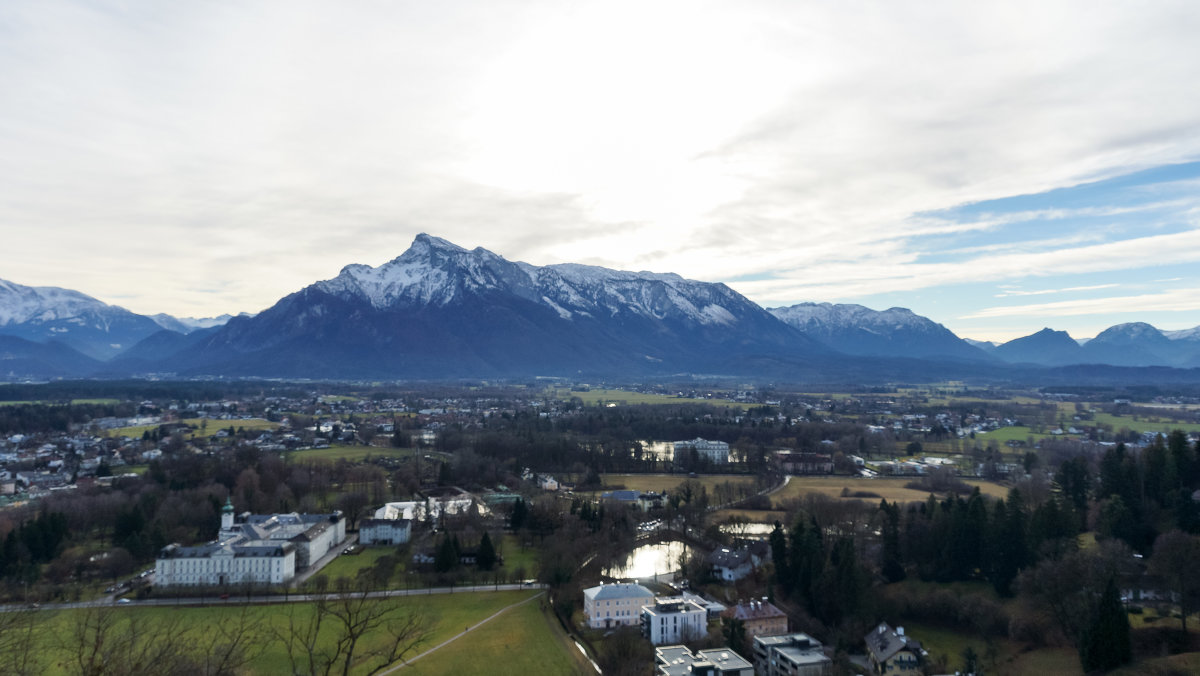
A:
(998, 167)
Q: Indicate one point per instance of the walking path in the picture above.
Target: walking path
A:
(454, 638)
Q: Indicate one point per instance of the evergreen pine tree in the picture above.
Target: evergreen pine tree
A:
(1106, 644)
(779, 555)
(485, 558)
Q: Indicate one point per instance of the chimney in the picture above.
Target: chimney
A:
(899, 631)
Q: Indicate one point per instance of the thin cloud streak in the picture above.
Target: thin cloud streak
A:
(1177, 300)
(200, 159)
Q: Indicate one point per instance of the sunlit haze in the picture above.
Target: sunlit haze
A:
(997, 167)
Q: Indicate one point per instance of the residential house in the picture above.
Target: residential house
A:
(677, 660)
(731, 565)
(674, 621)
(651, 500)
(893, 653)
(790, 655)
(761, 618)
(615, 605)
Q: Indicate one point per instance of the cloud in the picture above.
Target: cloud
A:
(1044, 292)
(157, 151)
(1176, 300)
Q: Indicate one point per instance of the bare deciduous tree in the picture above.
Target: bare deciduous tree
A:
(20, 652)
(355, 617)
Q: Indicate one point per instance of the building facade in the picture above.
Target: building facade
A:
(716, 452)
(892, 652)
(674, 621)
(761, 618)
(615, 605)
(384, 531)
(258, 550)
(790, 655)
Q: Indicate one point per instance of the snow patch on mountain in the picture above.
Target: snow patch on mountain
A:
(1184, 334)
(20, 304)
(434, 272)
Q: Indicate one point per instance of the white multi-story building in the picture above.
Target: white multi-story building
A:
(258, 550)
(384, 531)
(674, 621)
(716, 452)
(614, 605)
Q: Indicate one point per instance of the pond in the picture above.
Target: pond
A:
(650, 561)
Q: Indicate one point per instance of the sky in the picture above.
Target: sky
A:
(998, 167)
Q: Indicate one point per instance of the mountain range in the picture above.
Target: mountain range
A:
(442, 311)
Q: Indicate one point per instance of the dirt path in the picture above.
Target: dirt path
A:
(459, 635)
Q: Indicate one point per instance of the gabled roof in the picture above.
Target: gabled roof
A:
(884, 642)
(726, 558)
(755, 610)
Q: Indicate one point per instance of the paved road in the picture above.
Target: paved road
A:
(277, 598)
(332, 554)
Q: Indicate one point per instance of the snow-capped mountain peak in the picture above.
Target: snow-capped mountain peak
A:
(20, 304)
(435, 272)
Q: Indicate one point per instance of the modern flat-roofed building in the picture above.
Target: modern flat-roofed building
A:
(677, 660)
(790, 655)
(674, 621)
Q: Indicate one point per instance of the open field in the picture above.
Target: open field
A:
(667, 482)
(349, 566)
(1014, 433)
(622, 397)
(252, 425)
(890, 489)
(448, 614)
(1164, 424)
(1010, 658)
(348, 453)
(73, 401)
(525, 640)
(518, 563)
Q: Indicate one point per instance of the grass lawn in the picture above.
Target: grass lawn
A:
(517, 558)
(73, 401)
(350, 565)
(1014, 433)
(667, 482)
(1164, 424)
(213, 426)
(1011, 657)
(890, 489)
(1151, 618)
(348, 453)
(447, 613)
(525, 640)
